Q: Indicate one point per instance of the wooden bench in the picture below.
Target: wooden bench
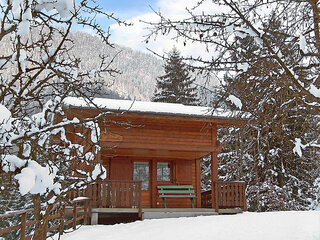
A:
(176, 191)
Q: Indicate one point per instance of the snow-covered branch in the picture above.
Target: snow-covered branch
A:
(37, 72)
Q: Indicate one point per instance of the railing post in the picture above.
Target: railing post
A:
(104, 194)
(108, 195)
(90, 207)
(61, 227)
(99, 200)
(244, 197)
(139, 201)
(85, 213)
(216, 198)
(23, 226)
(94, 194)
(74, 216)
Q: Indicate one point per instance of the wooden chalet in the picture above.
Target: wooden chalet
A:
(147, 144)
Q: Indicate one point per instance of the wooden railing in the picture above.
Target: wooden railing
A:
(206, 199)
(228, 195)
(61, 218)
(115, 194)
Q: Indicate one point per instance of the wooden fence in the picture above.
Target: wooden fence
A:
(228, 195)
(67, 216)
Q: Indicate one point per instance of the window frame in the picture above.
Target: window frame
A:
(170, 171)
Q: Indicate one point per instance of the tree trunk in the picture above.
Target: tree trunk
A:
(40, 232)
(39, 228)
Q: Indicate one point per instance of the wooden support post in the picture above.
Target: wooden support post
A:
(214, 180)
(154, 183)
(198, 181)
(23, 226)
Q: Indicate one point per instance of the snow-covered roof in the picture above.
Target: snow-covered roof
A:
(151, 107)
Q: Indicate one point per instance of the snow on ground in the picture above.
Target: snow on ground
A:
(246, 226)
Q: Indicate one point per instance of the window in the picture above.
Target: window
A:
(163, 171)
(141, 173)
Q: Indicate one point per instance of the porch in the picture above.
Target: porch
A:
(119, 198)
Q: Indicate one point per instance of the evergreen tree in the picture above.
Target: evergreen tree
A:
(260, 153)
(175, 86)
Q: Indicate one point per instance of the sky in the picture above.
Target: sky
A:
(133, 11)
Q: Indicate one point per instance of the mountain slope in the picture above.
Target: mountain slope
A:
(139, 70)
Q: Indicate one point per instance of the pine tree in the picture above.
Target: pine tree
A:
(175, 86)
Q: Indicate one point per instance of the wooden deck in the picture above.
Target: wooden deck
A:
(158, 213)
(154, 213)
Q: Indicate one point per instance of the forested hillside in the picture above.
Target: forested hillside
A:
(138, 70)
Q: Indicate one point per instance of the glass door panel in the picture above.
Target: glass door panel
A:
(141, 173)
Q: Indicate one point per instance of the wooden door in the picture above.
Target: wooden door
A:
(141, 172)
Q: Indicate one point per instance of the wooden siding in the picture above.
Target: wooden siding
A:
(133, 134)
(121, 169)
(161, 135)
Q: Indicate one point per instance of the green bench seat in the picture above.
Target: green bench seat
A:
(176, 191)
